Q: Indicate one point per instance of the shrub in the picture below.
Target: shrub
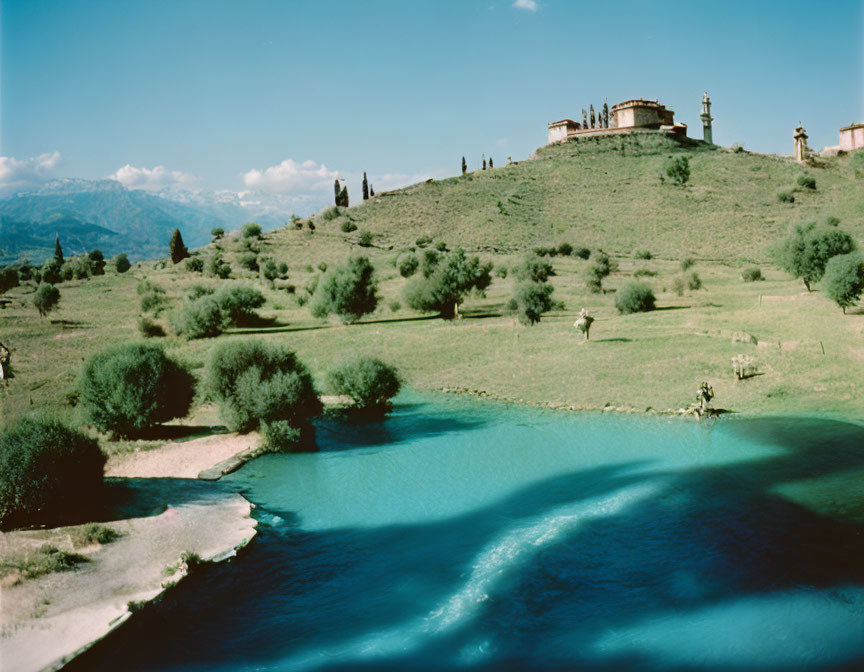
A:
(693, 280)
(369, 382)
(77, 268)
(501, 271)
(844, 279)
(644, 273)
(196, 291)
(429, 262)
(201, 318)
(687, 263)
(46, 298)
(48, 471)
(348, 227)
(582, 253)
(832, 221)
(218, 233)
(602, 267)
(121, 263)
(248, 260)
(149, 329)
(678, 285)
(395, 306)
(152, 300)
(238, 304)
(216, 267)
(678, 170)
(365, 239)
(253, 383)
(322, 266)
(279, 437)
(251, 230)
(407, 264)
(565, 249)
(8, 279)
(96, 260)
(752, 274)
(132, 387)
(283, 269)
(441, 246)
(807, 249)
(269, 271)
(423, 241)
(331, 213)
(51, 271)
(806, 181)
(195, 264)
(534, 269)
(450, 280)
(531, 300)
(643, 254)
(634, 297)
(349, 291)
(785, 196)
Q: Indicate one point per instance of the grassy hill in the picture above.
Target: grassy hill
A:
(606, 192)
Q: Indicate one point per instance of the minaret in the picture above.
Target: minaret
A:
(706, 119)
(800, 138)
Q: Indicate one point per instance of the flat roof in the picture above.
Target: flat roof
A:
(852, 126)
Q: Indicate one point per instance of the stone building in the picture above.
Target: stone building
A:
(852, 137)
(631, 115)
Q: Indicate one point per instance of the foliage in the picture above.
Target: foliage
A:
(368, 381)
(51, 271)
(216, 267)
(501, 271)
(269, 271)
(279, 436)
(678, 285)
(47, 470)
(395, 306)
(8, 279)
(785, 196)
(644, 273)
(844, 279)
(196, 291)
(531, 300)
(643, 254)
(77, 268)
(58, 251)
(349, 291)
(365, 239)
(602, 267)
(565, 249)
(807, 249)
(47, 559)
(132, 387)
(806, 181)
(582, 253)
(200, 318)
(693, 281)
(121, 263)
(253, 382)
(634, 297)
(96, 261)
(752, 274)
(152, 300)
(238, 304)
(218, 233)
(195, 264)
(423, 241)
(407, 264)
(534, 269)
(449, 281)
(678, 170)
(251, 230)
(94, 533)
(248, 260)
(178, 250)
(687, 263)
(149, 329)
(348, 227)
(331, 213)
(46, 298)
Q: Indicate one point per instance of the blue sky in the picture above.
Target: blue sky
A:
(212, 93)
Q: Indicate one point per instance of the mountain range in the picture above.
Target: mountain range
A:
(103, 214)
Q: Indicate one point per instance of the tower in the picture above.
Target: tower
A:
(706, 119)
(800, 143)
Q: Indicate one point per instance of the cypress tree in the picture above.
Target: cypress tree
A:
(464, 166)
(371, 192)
(490, 163)
(484, 162)
(58, 251)
(365, 187)
(336, 190)
(344, 197)
(178, 249)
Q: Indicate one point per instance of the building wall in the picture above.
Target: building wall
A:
(557, 133)
(643, 117)
(852, 138)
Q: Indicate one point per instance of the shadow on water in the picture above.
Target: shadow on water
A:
(546, 578)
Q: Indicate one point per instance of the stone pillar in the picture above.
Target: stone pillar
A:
(706, 120)
(800, 143)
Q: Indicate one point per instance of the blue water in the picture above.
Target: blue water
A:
(467, 535)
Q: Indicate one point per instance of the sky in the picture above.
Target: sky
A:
(283, 96)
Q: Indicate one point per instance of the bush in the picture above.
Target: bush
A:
(269, 271)
(565, 249)
(687, 263)
(348, 291)
(46, 298)
(331, 213)
(785, 196)
(678, 285)
(77, 268)
(238, 304)
(251, 230)
(8, 279)
(248, 260)
(48, 471)
(752, 274)
(806, 181)
(582, 253)
(450, 280)
(844, 279)
(602, 267)
(216, 267)
(280, 437)
(197, 291)
(348, 227)
(121, 263)
(531, 300)
(501, 271)
(200, 318)
(365, 239)
(441, 246)
(643, 254)
(407, 264)
(253, 383)
(133, 387)
(832, 221)
(149, 329)
(693, 280)
(369, 382)
(534, 269)
(152, 300)
(807, 249)
(96, 260)
(423, 241)
(395, 306)
(634, 297)
(644, 273)
(195, 264)
(678, 170)
(218, 233)
(51, 271)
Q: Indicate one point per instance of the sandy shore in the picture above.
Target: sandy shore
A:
(47, 621)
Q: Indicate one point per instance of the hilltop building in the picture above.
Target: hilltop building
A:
(706, 118)
(852, 137)
(631, 115)
(800, 138)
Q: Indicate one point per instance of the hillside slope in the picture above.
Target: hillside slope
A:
(606, 192)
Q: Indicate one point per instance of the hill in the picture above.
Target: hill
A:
(606, 192)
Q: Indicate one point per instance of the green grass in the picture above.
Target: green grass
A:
(46, 559)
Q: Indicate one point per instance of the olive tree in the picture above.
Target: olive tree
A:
(451, 277)
(844, 279)
(349, 291)
(805, 252)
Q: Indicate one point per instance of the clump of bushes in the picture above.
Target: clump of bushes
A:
(8, 279)
(687, 263)
(369, 382)
(195, 264)
(348, 227)
(693, 281)
(635, 297)
(48, 471)
(349, 291)
(807, 248)
(238, 304)
(785, 196)
(582, 253)
(407, 264)
(46, 298)
(644, 273)
(806, 181)
(251, 230)
(121, 263)
(565, 249)
(752, 274)
(532, 293)
(133, 387)
(446, 280)
(152, 297)
(257, 385)
(643, 254)
(423, 241)
(331, 213)
(365, 239)
(217, 267)
(248, 260)
(199, 318)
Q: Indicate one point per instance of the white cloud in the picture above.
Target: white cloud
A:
(152, 178)
(530, 5)
(292, 177)
(27, 173)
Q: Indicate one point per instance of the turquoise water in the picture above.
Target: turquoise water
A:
(467, 535)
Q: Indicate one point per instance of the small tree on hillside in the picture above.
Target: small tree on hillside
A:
(368, 381)
(491, 166)
(121, 263)
(349, 291)
(343, 197)
(805, 252)
(844, 279)
(464, 166)
(532, 294)
(679, 170)
(97, 262)
(371, 192)
(8, 279)
(178, 249)
(602, 267)
(58, 251)
(451, 278)
(46, 298)
(365, 187)
(336, 192)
